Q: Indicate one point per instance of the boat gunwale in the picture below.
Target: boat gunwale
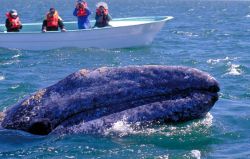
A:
(162, 19)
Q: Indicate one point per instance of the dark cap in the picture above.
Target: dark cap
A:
(52, 10)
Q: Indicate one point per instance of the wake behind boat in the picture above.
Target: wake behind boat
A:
(123, 33)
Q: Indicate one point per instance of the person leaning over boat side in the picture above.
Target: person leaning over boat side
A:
(82, 13)
(102, 15)
(13, 23)
(53, 21)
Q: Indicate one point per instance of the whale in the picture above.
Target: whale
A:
(93, 100)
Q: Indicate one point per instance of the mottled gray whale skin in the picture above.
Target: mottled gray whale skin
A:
(91, 101)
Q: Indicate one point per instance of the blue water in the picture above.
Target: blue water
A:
(208, 35)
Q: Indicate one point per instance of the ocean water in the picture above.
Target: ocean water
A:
(213, 36)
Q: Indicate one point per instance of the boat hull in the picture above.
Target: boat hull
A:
(110, 37)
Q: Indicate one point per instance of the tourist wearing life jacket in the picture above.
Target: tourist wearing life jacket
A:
(82, 13)
(102, 15)
(53, 21)
(13, 23)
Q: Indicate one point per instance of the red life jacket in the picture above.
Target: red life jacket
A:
(15, 22)
(52, 21)
(98, 12)
(81, 12)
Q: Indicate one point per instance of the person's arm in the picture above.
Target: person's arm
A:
(99, 18)
(7, 24)
(96, 17)
(21, 26)
(75, 12)
(88, 11)
(61, 25)
(109, 18)
(44, 26)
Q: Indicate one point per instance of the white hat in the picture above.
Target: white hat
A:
(13, 12)
(105, 5)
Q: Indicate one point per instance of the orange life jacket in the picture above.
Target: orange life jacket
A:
(81, 12)
(15, 22)
(52, 21)
(98, 12)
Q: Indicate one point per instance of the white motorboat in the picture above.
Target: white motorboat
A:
(123, 33)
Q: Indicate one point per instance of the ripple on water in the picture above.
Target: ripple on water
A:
(247, 16)
(2, 78)
(221, 60)
(186, 33)
(12, 59)
(232, 69)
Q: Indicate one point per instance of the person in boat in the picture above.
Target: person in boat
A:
(82, 13)
(102, 15)
(13, 23)
(53, 21)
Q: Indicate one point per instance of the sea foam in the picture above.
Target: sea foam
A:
(196, 154)
(234, 70)
(122, 128)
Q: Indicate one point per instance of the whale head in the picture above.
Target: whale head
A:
(103, 96)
